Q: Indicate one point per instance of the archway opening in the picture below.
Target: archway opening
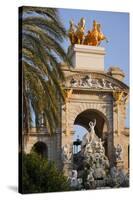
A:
(81, 127)
(41, 149)
(79, 132)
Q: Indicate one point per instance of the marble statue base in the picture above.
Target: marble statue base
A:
(88, 57)
(67, 168)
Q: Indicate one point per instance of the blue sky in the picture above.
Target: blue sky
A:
(115, 25)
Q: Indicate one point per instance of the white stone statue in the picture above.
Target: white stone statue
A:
(80, 82)
(110, 86)
(80, 181)
(116, 88)
(92, 126)
(101, 146)
(98, 145)
(89, 136)
(92, 131)
(42, 120)
(118, 152)
(89, 81)
(74, 82)
(98, 85)
(88, 149)
(66, 153)
(87, 153)
(104, 83)
(113, 172)
(90, 177)
(74, 174)
(73, 178)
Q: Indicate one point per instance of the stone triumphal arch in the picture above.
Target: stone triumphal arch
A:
(91, 94)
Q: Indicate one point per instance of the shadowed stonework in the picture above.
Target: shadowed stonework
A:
(92, 95)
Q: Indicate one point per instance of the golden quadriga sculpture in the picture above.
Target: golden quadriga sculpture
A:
(77, 35)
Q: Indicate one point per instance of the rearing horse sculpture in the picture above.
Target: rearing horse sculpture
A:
(80, 31)
(76, 33)
(71, 33)
(101, 36)
(95, 36)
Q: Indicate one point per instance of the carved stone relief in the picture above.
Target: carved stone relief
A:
(88, 82)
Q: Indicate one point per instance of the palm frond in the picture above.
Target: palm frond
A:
(42, 52)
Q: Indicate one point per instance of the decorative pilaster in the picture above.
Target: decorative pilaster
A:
(68, 95)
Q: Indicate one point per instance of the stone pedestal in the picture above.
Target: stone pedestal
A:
(119, 164)
(67, 169)
(116, 72)
(88, 57)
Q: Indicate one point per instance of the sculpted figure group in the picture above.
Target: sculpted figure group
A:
(118, 152)
(95, 164)
(94, 154)
(93, 37)
(66, 153)
(89, 82)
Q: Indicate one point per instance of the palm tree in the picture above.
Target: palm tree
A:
(42, 35)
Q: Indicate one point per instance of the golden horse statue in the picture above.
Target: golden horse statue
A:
(77, 36)
(92, 37)
(95, 36)
(101, 36)
(80, 31)
(71, 32)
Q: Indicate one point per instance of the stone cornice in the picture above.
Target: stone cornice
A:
(78, 74)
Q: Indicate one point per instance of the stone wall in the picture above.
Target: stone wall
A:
(82, 101)
(123, 140)
(53, 144)
(87, 61)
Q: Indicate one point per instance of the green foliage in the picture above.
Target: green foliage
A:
(39, 175)
(42, 53)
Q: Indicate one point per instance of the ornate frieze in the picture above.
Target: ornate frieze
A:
(95, 81)
(88, 81)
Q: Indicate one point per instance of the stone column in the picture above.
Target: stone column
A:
(110, 148)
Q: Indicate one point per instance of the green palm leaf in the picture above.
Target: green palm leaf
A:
(42, 52)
